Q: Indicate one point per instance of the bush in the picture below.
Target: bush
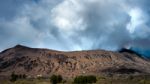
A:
(56, 79)
(85, 79)
(14, 77)
(24, 76)
(91, 79)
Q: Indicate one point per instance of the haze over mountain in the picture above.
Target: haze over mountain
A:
(69, 25)
(36, 62)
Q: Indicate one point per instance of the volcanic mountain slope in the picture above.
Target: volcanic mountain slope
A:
(43, 62)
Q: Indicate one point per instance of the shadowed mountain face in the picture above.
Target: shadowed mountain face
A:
(34, 62)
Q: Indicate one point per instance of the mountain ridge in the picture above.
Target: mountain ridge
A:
(45, 62)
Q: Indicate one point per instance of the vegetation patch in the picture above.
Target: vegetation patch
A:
(85, 79)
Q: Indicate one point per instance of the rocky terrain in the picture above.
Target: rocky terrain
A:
(44, 62)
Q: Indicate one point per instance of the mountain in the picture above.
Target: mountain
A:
(36, 62)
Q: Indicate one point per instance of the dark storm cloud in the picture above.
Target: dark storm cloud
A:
(75, 24)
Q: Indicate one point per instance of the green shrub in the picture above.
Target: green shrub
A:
(91, 79)
(14, 77)
(85, 79)
(56, 79)
(24, 76)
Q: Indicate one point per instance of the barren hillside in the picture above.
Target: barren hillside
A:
(43, 62)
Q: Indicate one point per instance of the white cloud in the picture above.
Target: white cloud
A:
(66, 16)
(137, 19)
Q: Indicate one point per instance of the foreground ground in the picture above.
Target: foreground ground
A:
(101, 80)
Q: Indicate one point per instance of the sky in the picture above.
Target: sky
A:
(69, 25)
